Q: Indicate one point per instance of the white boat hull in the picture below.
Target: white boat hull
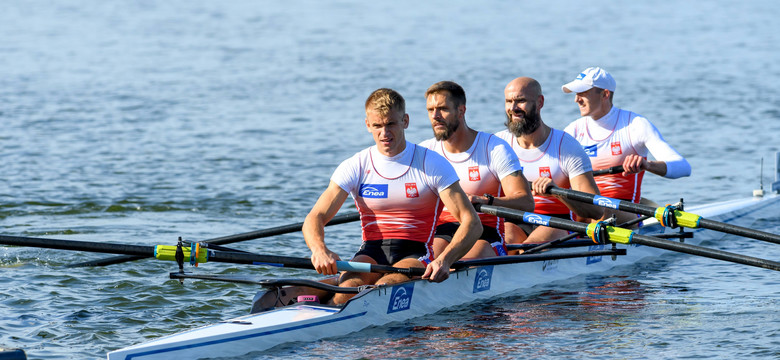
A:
(380, 306)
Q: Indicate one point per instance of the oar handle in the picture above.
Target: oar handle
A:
(608, 171)
(366, 267)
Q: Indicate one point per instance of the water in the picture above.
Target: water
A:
(138, 122)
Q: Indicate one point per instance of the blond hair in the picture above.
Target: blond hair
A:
(383, 100)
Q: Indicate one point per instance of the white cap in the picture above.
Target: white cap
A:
(590, 78)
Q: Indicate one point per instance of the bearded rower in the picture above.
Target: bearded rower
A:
(550, 157)
(489, 171)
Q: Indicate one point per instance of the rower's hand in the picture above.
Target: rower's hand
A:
(633, 164)
(324, 262)
(540, 186)
(436, 271)
(477, 199)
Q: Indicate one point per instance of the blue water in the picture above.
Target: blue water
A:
(138, 122)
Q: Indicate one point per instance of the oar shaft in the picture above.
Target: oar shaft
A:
(738, 230)
(512, 259)
(684, 219)
(625, 236)
(304, 263)
(76, 245)
(705, 252)
(279, 230)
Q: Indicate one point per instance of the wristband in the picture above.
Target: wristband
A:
(490, 199)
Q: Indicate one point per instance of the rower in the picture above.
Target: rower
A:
(550, 157)
(488, 169)
(612, 136)
(397, 187)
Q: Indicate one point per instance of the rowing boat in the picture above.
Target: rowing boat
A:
(282, 319)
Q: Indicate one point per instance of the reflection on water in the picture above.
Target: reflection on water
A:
(535, 324)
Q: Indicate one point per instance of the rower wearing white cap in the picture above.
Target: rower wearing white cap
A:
(613, 136)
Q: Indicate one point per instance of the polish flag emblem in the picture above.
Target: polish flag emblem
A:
(474, 173)
(411, 190)
(544, 171)
(616, 150)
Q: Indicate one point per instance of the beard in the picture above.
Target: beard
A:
(446, 133)
(528, 123)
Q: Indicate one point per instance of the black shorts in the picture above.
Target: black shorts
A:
(391, 251)
(490, 234)
(447, 230)
(528, 228)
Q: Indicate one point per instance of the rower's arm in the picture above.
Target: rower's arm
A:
(668, 162)
(469, 231)
(517, 193)
(584, 183)
(324, 210)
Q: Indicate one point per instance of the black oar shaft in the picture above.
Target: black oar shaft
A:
(705, 252)
(651, 212)
(512, 259)
(76, 245)
(738, 230)
(521, 216)
(279, 230)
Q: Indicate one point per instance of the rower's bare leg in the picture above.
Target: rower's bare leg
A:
(543, 234)
(481, 249)
(513, 235)
(439, 244)
(397, 278)
(354, 279)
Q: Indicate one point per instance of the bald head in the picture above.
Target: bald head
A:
(530, 87)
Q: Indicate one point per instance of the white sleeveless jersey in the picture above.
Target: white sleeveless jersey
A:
(398, 197)
(608, 148)
(560, 158)
(480, 169)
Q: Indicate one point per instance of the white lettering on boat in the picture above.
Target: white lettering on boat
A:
(483, 279)
(401, 298)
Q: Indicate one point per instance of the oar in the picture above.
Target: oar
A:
(601, 233)
(665, 215)
(354, 290)
(168, 252)
(522, 258)
(558, 242)
(273, 283)
(279, 230)
(608, 171)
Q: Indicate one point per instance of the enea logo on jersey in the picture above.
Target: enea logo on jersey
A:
(591, 150)
(474, 173)
(401, 299)
(411, 190)
(483, 279)
(544, 171)
(376, 191)
(605, 202)
(536, 219)
(616, 149)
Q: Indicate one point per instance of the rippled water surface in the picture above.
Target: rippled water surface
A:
(139, 122)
